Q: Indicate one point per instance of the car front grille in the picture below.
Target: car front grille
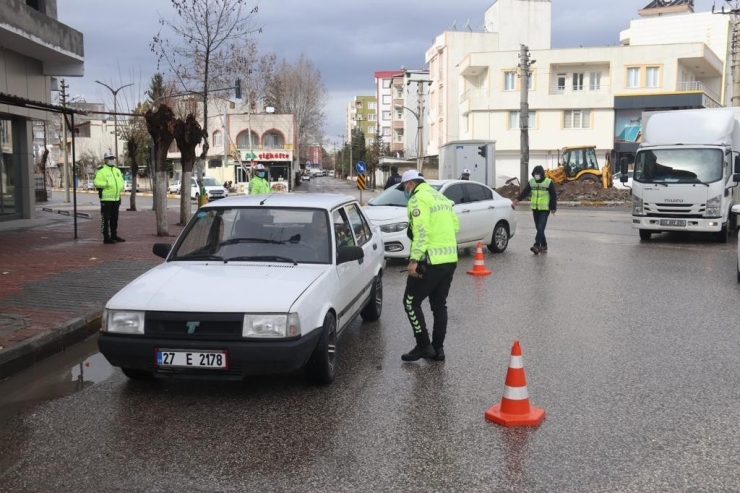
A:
(194, 326)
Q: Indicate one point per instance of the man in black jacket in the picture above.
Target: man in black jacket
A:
(543, 203)
(394, 179)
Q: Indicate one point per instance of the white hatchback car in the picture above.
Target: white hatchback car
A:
(484, 216)
(282, 277)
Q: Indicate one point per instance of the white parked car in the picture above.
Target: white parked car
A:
(174, 187)
(305, 177)
(214, 189)
(736, 210)
(283, 277)
(484, 216)
(127, 186)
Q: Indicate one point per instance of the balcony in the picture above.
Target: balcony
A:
(473, 93)
(474, 99)
(398, 124)
(584, 89)
(696, 86)
(35, 35)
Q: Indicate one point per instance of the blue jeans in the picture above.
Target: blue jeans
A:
(540, 222)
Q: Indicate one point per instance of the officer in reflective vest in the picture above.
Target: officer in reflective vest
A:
(432, 262)
(109, 183)
(259, 185)
(543, 203)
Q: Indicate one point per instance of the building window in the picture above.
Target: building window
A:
(386, 83)
(217, 139)
(466, 120)
(577, 119)
(273, 140)
(370, 141)
(371, 105)
(561, 82)
(578, 81)
(371, 117)
(399, 92)
(39, 5)
(386, 115)
(242, 140)
(386, 131)
(633, 77)
(652, 76)
(594, 81)
(386, 99)
(509, 81)
(515, 121)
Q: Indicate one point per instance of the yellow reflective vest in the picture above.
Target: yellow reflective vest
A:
(540, 200)
(259, 186)
(110, 180)
(434, 225)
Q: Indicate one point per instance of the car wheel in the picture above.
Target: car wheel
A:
(136, 374)
(590, 177)
(500, 239)
(645, 234)
(374, 306)
(322, 366)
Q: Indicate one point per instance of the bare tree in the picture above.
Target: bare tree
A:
(207, 38)
(138, 143)
(161, 126)
(298, 89)
(188, 135)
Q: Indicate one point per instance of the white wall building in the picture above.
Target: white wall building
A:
(384, 98)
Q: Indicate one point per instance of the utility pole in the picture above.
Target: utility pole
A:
(65, 171)
(419, 119)
(524, 74)
(734, 12)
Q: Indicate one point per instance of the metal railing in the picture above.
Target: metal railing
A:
(472, 93)
(583, 89)
(697, 86)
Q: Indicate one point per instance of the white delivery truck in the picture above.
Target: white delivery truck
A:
(478, 156)
(686, 172)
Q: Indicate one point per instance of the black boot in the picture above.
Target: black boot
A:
(419, 352)
(440, 354)
(118, 239)
(108, 240)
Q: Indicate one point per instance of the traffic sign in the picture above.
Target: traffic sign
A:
(360, 182)
(361, 167)
(308, 164)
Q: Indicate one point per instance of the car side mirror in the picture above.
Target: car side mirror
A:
(623, 169)
(349, 253)
(161, 249)
(737, 164)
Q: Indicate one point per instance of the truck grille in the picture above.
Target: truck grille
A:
(210, 326)
(675, 210)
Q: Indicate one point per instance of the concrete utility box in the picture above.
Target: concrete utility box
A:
(458, 155)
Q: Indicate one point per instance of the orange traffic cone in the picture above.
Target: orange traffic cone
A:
(479, 268)
(514, 409)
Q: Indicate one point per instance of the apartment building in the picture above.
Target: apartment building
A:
(362, 113)
(410, 91)
(579, 96)
(384, 97)
(34, 46)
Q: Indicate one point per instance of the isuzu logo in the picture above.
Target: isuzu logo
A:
(192, 326)
(674, 200)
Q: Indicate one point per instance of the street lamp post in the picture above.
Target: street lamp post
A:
(115, 110)
(419, 137)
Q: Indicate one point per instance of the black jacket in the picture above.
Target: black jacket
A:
(551, 189)
(393, 180)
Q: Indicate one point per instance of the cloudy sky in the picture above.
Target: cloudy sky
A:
(347, 40)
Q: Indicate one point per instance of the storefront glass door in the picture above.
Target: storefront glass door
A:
(8, 170)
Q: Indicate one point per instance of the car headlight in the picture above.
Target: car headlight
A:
(394, 228)
(271, 326)
(123, 322)
(713, 207)
(637, 206)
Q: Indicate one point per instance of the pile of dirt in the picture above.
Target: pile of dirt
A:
(576, 191)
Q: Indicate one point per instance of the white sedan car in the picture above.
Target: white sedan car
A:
(484, 216)
(251, 286)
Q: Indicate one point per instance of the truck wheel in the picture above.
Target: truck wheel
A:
(590, 177)
(645, 234)
(500, 238)
(322, 366)
(722, 235)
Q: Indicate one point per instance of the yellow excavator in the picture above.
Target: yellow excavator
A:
(580, 164)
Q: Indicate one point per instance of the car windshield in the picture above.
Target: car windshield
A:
(259, 234)
(211, 182)
(678, 165)
(393, 197)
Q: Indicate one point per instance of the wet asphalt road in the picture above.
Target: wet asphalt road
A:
(632, 348)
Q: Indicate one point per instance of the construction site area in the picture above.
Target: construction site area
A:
(579, 191)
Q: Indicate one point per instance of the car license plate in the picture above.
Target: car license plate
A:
(170, 358)
(673, 222)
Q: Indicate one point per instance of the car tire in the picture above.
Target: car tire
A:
(137, 374)
(500, 238)
(374, 306)
(590, 177)
(322, 366)
(645, 234)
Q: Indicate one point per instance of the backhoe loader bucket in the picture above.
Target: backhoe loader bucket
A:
(557, 175)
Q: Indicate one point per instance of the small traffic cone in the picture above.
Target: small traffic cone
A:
(514, 409)
(479, 268)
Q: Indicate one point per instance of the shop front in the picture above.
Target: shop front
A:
(10, 169)
(277, 162)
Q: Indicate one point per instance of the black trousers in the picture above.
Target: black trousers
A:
(540, 222)
(435, 285)
(109, 218)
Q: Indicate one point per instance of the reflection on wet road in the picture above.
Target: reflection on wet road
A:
(630, 347)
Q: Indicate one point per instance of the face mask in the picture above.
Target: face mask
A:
(406, 195)
(537, 177)
(110, 162)
(261, 174)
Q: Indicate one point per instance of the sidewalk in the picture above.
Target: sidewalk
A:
(53, 287)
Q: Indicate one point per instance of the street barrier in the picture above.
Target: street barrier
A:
(479, 267)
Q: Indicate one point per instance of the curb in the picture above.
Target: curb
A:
(48, 343)
(586, 203)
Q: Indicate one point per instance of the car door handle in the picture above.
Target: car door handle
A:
(375, 246)
(491, 206)
(465, 211)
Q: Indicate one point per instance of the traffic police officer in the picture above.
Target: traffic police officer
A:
(259, 185)
(543, 202)
(432, 263)
(109, 183)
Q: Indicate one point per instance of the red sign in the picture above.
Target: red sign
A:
(274, 156)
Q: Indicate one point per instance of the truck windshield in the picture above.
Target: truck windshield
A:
(678, 165)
